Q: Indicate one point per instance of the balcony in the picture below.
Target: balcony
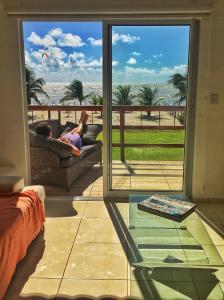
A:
(131, 169)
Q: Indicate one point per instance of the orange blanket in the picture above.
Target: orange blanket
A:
(21, 219)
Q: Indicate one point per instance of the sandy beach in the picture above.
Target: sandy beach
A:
(131, 118)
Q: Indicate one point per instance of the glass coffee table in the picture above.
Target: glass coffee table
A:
(156, 241)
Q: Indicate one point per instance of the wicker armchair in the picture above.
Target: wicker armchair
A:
(50, 167)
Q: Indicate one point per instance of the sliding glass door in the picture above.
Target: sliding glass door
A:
(147, 83)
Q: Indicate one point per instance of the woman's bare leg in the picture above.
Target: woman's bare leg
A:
(82, 122)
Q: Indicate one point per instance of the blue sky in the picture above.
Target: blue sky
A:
(62, 51)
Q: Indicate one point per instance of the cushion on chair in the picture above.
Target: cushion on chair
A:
(86, 150)
(61, 149)
(11, 184)
(90, 131)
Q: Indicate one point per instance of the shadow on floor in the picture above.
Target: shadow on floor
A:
(176, 279)
(60, 208)
(81, 187)
(173, 277)
(207, 212)
(26, 267)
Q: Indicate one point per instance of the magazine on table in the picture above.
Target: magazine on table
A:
(176, 210)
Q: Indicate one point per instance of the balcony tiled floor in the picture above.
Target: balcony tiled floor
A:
(82, 255)
(135, 174)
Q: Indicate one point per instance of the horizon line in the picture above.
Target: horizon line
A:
(117, 83)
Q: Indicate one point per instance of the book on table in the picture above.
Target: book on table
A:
(163, 206)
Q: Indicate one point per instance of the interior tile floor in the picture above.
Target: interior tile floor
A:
(83, 255)
(128, 175)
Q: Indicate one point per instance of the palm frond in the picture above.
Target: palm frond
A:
(123, 95)
(66, 98)
(34, 96)
(179, 82)
(34, 86)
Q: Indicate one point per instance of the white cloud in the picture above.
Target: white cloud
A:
(56, 32)
(124, 38)
(51, 53)
(95, 42)
(27, 58)
(115, 63)
(70, 40)
(157, 55)
(148, 61)
(76, 55)
(35, 39)
(33, 62)
(46, 41)
(96, 62)
(172, 70)
(131, 61)
(51, 62)
(37, 56)
(61, 39)
(83, 64)
(59, 66)
(139, 71)
(163, 71)
(57, 52)
(136, 53)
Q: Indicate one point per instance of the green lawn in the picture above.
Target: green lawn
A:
(151, 137)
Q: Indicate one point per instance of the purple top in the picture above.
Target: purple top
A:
(74, 139)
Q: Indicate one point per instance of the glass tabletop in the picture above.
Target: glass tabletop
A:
(156, 241)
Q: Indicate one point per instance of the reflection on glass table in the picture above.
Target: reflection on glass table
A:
(161, 242)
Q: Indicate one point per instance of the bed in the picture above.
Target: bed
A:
(21, 219)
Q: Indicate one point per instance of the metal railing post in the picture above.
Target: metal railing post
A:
(159, 117)
(122, 126)
(59, 115)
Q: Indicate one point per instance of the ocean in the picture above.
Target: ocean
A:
(56, 91)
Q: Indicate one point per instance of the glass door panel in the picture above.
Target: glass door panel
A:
(148, 94)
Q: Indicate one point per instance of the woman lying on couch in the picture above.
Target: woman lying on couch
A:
(72, 138)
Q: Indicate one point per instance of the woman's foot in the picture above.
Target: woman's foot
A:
(83, 116)
(86, 119)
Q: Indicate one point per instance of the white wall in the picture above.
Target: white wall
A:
(12, 142)
(208, 174)
(101, 6)
(213, 158)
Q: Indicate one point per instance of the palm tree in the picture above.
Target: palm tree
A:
(100, 100)
(123, 95)
(34, 86)
(179, 82)
(74, 91)
(96, 100)
(147, 97)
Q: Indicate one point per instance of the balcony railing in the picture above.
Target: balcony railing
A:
(173, 111)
